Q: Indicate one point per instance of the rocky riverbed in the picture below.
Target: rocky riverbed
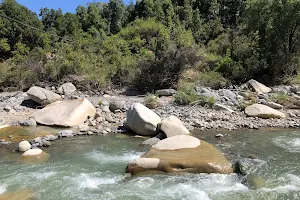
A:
(110, 110)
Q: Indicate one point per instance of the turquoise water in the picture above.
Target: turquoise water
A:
(94, 168)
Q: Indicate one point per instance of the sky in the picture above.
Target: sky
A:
(65, 5)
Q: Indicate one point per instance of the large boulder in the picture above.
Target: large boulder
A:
(181, 154)
(24, 146)
(42, 96)
(263, 111)
(142, 120)
(65, 113)
(258, 87)
(66, 89)
(173, 126)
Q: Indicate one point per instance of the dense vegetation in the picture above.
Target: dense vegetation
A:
(151, 44)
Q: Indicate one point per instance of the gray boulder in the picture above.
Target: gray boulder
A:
(42, 96)
(28, 122)
(117, 105)
(66, 89)
(165, 92)
(66, 133)
(206, 92)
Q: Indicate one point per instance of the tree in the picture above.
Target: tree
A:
(115, 15)
(21, 28)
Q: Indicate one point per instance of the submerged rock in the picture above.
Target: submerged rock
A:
(263, 111)
(34, 156)
(181, 154)
(18, 195)
(42, 96)
(65, 113)
(142, 120)
(150, 142)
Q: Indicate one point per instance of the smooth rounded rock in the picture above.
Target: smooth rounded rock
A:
(203, 159)
(177, 142)
(263, 111)
(24, 146)
(32, 152)
(142, 120)
(65, 113)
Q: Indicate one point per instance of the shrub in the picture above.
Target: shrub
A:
(280, 97)
(151, 101)
(212, 79)
(187, 95)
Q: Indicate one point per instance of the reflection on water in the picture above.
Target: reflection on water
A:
(19, 133)
(94, 168)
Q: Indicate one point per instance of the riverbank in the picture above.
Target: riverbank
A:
(16, 107)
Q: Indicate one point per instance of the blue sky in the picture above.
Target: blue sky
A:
(65, 5)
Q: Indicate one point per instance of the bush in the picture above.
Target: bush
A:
(212, 79)
(187, 95)
(280, 97)
(151, 101)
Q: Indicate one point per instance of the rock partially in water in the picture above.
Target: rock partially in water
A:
(177, 142)
(66, 133)
(263, 111)
(65, 113)
(173, 126)
(28, 122)
(150, 142)
(203, 158)
(24, 146)
(142, 120)
(34, 156)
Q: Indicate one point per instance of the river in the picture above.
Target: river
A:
(94, 168)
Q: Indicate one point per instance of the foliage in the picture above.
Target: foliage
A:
(212, 79)
(280, 97)
(187, 95)
(150, 44)
(151, 101)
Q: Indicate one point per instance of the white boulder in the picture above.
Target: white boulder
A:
(263, 111)
(173, 126)
(24, 146)
(177, 142)
(142, 120)
(65, 113)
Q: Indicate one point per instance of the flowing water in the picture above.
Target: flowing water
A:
(94, 168)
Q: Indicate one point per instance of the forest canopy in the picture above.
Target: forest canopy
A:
(151, 44)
